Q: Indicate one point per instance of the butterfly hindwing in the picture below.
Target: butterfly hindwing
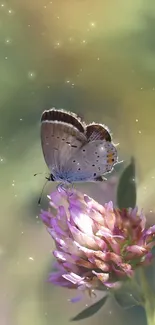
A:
(93, 160)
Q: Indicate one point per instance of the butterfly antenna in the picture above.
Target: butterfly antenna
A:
(39, 201)
(39, 174)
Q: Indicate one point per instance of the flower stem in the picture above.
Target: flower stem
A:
(149, 299)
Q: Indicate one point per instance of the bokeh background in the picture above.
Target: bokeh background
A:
(96, 58)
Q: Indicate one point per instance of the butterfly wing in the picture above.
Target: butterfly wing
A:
(92, 161)
(73, 151)
(62, 135)
(95, 131)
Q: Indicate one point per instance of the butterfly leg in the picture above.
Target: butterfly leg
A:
(64, 186)
(100, 179)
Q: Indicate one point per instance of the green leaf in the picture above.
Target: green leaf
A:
(128, 298)
(126, 191)
(90, 311)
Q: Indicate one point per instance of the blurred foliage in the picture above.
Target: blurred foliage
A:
(90, 311)
(126, 191)
(128, 296)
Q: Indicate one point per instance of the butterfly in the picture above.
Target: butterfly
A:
(75, 151)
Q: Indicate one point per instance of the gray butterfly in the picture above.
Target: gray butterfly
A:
(75, 151)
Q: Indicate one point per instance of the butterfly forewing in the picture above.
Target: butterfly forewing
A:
(59, 143)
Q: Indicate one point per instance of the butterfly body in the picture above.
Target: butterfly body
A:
(73, 150)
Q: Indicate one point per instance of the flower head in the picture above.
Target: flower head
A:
(95, 245)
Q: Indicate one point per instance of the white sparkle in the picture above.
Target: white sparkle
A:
(6, 57)
(152, 177)
(10, 11)
(1, 159)
(20, 119)
(7, 41)
(22, 232)
(84, 41)
(2, 5)
(67, 81)
(92, 24)
(139, 131)
(58, 17)
(29, 25)
(57, 45)
(31, 258)
(31, 75)
(141, 88)
(151, 211)
(45, 7)
(136, 119)
(98, 59)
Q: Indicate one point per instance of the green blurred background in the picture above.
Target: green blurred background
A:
(96, 58)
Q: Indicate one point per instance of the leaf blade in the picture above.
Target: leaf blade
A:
(90, 311)
(128, 296)
(126, 191)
